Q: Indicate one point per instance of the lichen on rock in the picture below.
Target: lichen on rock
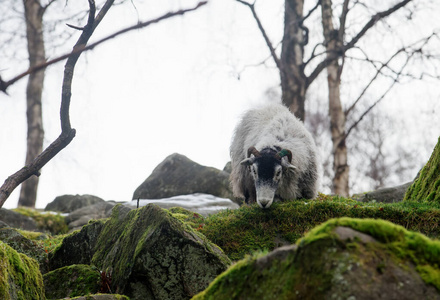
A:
(20, 277)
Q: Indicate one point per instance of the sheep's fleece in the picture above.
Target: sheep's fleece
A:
(274, 126)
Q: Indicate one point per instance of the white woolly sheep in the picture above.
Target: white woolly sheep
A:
(285, 164)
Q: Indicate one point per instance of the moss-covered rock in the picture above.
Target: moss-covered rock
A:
(71, 281)
(341, 259)
(21, 244)
(77, 247)
(20, 277)
(152, 255)
(101, 297)
(46, 222)
(250, 228)
(426, 187)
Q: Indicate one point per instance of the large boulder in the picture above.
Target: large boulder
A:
(20, 277)
(16, 220)
(426, 186)
(386, 195)
(152, 255)
(69, 203)
(340, 259)
(178, 175)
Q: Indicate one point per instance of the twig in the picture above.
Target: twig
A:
(263, 32)
(396, 80)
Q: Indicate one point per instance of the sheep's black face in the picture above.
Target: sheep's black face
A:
(267, 173)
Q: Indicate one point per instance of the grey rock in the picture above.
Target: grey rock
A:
(69, 203)
(203, 204)
(228, 167)
(77, 248)
(346, 233)
(385, 195)
(178, 175)
(82, 216)
(16, 220)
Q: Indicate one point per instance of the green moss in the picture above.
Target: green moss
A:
(20, 277)
(326, 267)
(134, 232)
(250, 228)
(404, 244)
(72, 281)
(48, 222)
(427, 186)
(195, 220)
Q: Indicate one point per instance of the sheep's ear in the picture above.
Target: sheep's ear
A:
(291, 168)
(287, 165)
(247, 162)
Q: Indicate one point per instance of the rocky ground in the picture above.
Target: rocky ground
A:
(326, 248)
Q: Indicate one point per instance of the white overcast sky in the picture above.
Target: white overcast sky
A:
(171, 87)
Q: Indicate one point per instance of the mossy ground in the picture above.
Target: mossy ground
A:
(250, 228)
(426, 188)
(20, 277)
(318, 268)
(403, 244)
(47, 222)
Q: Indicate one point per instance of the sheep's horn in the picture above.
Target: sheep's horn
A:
(253, 151)
(284, 152)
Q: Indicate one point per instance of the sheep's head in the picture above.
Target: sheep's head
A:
(267, 168)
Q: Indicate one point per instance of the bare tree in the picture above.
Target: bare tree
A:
(329, 54)
(67, 132)
(33, 15)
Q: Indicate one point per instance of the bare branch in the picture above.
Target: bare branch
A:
(342, 20)
(310, 11)
(79, 50)
(396, 80)
(376, 18)
(68, 133)
(75, 27)
(263, 32)
(386, 65)
(335, 55)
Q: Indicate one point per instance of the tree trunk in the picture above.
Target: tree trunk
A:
(293, 79)
(337, 116)
(35, 133)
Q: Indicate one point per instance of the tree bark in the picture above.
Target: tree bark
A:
(35, 134)
(293, 79)
(333, 42)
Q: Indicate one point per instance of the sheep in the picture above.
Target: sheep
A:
(284, 166)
